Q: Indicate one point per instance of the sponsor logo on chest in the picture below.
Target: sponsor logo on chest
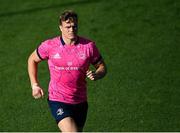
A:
(69, 63)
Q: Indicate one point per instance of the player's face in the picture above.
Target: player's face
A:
(69, 29)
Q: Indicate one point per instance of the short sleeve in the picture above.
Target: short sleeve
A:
(42, 50)
(95, 55)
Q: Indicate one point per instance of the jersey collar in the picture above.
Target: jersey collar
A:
(63, 43)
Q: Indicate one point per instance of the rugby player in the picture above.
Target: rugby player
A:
(69, 57)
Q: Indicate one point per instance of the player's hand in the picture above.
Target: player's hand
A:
(91, 75)
(37, 91)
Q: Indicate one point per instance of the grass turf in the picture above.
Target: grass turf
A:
(139, 40)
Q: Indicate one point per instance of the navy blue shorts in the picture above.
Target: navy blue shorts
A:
(60, 110)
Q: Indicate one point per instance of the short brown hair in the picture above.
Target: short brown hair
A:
(68, 14)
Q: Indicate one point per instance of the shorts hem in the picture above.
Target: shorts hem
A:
(58, 120)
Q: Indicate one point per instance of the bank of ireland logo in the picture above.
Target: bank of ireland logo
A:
(60, 111)
(69, 63)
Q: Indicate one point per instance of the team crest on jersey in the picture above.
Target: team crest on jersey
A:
(57, 56)
(60, 111)
(82, 56)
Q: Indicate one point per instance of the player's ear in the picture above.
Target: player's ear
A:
(60, 27)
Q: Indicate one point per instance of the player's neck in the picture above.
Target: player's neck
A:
(69, 41)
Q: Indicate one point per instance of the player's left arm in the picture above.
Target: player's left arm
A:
(100, 72)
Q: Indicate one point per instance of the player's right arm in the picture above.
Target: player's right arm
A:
(33, 60)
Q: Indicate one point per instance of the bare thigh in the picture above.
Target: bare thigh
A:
(68, 125)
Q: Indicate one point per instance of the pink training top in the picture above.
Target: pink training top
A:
(68, 65)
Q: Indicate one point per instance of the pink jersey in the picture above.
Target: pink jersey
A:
(68, 65)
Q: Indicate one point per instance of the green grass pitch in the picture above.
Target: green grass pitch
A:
(139, 40)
